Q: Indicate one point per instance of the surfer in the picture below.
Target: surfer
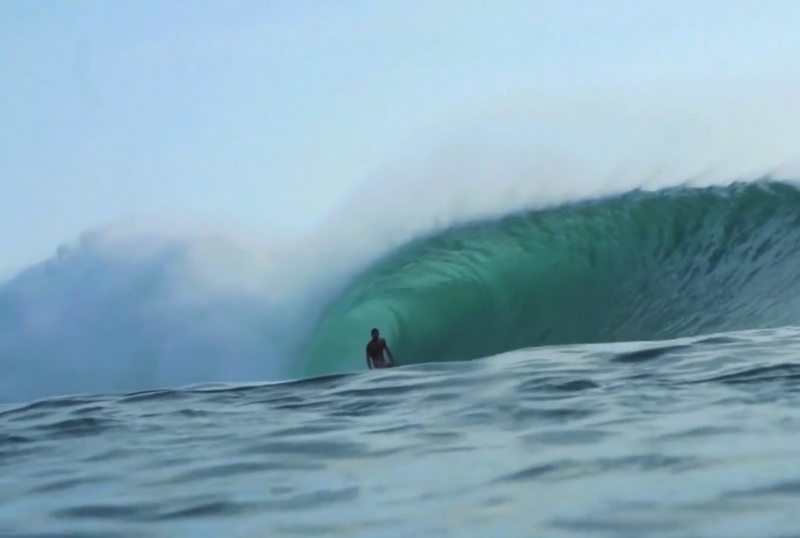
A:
(375, 348)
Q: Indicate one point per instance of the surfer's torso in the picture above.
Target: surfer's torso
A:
(375, 350)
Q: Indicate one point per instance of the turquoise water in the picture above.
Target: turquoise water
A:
(639, 266)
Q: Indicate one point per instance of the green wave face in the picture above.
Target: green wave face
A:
(639, 266)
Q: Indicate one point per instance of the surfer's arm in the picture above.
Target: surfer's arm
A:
(369, 361)
(388, 352)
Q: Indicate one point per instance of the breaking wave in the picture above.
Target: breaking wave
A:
(133, 311)
(638, 266)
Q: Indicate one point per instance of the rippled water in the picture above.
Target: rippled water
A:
(696, 437)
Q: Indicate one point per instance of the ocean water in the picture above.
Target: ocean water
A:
(695, 437)
(621, 366)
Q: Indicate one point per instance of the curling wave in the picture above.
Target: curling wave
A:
(638, 266)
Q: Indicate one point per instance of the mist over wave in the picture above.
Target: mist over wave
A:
(124, 311)
(120, 313)
(133, 308)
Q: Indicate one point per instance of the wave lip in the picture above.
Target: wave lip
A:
(637, 266)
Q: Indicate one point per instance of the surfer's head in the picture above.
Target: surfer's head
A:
(375, 333)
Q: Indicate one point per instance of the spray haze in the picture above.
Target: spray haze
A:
(132, 308)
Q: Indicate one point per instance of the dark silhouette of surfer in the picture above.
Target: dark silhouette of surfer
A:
(375, 348)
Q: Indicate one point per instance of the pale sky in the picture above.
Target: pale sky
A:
(266, 114)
